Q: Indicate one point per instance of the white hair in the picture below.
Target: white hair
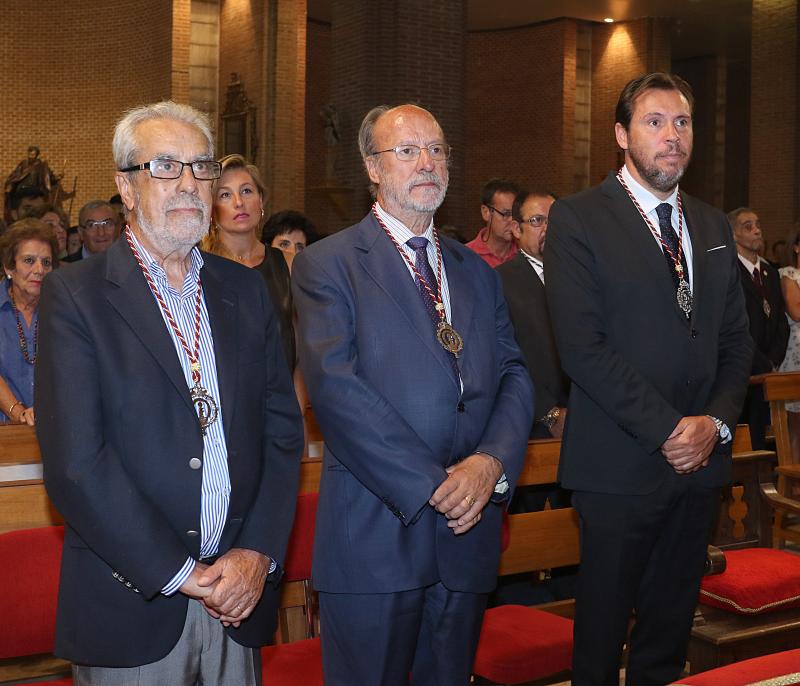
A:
(124, 145)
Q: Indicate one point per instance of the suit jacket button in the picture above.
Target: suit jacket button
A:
(195, 463)
(694, 333)
(192, 533)
(460, 407)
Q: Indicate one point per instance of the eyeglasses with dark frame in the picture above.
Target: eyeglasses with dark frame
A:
(409, 153)
(504, 214)
(165, 168)
(537, 221)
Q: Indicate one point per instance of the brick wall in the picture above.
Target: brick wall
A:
(520, 109)
(265, 42)
(775, 116)
(67, 79)
(620, 52)
(391, 52)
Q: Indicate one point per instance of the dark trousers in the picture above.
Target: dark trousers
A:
(642, 554)
(424, 637)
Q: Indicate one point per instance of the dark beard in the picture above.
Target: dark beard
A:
(657, 178)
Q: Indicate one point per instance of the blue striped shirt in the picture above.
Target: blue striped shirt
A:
(216, 485)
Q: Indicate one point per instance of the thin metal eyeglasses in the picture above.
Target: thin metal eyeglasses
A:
(537, 221)
(504, 214)
(203, 170)
(92, 225)
(409, 153)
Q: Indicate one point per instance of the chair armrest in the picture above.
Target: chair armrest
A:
(715, 561)
(778, 501)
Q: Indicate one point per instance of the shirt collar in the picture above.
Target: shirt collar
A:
(647, 201)
(535, 261)
(158, 273)
(400, 231)
(747, 263)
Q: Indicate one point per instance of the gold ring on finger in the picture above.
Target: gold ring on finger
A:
(469, 499)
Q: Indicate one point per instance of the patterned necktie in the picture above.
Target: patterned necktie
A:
(668, 235)
(419, 244)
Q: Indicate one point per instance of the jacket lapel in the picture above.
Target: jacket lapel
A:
(222, 306)
(386, 267)
(641, 241)
(699, 247)
(133, 300)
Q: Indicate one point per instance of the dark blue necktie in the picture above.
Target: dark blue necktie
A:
(668, 235)
(419, 244)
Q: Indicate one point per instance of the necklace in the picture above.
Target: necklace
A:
(23, 343)
(204, 403)
(447, 336)
(684, 293)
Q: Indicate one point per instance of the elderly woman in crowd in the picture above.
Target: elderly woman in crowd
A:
(237, 215)
(29, 251)
(290, 231)
(57, 219)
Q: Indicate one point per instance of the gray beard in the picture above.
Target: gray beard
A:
(657, 178)
(168, 240)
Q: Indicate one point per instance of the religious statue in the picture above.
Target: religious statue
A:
(330, 121)
(34, 172)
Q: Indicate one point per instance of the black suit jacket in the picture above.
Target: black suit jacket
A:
(527, 306)
(76, 256)
(117, 431)
(770, 332)
(637, 364)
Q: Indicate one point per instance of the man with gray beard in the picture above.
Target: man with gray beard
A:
(179, 487)
(416, 381)
(649, 319)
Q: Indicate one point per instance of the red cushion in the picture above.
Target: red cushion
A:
(30, 561)
(750, 671)
(301, 543)
(519, 644)
(755, 580)
(66, 681)
(292, 664)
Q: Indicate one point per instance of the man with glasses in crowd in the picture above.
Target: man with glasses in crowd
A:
(178, 491)
(495, 240)
(98, 226)
(425, 405)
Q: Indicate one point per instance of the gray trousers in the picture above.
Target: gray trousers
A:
(203, 655)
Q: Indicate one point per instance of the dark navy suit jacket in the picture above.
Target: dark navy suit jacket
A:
(117, 431)
(393, 415)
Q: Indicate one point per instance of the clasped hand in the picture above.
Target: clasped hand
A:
(231, 587)
(462, 496)
(689, 445)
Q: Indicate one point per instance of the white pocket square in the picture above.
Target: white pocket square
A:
(719, 247)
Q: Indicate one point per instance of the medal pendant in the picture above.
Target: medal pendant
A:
(204, 405)
(767, 308)
(684, 297)
(679, 270)
(449, 338)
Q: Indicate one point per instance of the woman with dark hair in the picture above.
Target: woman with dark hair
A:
(237, 215)
(290, 231)
(28, 251)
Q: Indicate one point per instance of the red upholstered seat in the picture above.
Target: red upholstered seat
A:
(750, 671)
(301, 544)
(66, 681)
(30, 562)
(755, 580)
(520, 644)
(292, 664)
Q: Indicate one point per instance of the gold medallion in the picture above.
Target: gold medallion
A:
(449, 338)
(204, 405)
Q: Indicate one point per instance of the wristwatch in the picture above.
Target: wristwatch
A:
(718, 423)
(550, 419)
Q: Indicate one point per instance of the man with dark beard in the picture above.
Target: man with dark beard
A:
(647, 308)
(410, 361)
(178, 490)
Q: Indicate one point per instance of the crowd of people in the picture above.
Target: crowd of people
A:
(625, 319)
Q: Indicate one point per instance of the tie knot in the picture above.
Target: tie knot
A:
(664, 211)
(418, 243)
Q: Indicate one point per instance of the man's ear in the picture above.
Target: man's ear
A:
(125, 188)
(371, 165)
(622, 136)
(486, 214)
(516, 231)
